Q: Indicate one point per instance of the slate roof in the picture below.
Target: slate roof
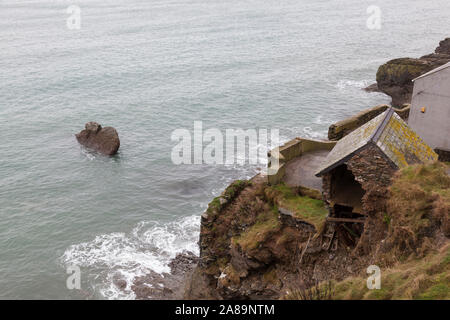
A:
(400, 144)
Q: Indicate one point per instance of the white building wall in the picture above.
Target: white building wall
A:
(433, 93)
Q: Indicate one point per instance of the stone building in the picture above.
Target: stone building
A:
(366, 159)
(430, 109)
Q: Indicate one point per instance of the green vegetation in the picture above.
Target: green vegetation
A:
(387, 219)
(214, 205)
(402, 70)
(266, 224)
(316, 291)
(426, 278)
(267, 221)
(419, 194)
(231, 192)
(418, 206)
(310, 210)
(235, 188)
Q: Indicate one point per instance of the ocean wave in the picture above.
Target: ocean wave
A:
(359, 84)
(150, 246)
(308, 132)
(311, 132)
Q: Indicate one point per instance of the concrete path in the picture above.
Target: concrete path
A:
(300, 171)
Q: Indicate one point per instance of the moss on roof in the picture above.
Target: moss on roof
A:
(393, 137)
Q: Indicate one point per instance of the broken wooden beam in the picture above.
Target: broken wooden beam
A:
(331, 240)
(331, 219)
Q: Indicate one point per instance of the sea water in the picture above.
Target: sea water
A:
(148, 68)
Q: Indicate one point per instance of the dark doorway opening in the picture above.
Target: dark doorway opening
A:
(346, 196)
(346, 191)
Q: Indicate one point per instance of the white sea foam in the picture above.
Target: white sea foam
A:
(345, 83)
(90, 155)
(322, 120)
(308, 132)
(150, 246)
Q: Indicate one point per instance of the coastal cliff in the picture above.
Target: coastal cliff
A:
(262, 240)
(273, 242)
(394, 78)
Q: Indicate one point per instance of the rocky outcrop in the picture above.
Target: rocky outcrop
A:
(166, 286)
(372, 88)
(104, 140)
(444, 47)
(394, 78)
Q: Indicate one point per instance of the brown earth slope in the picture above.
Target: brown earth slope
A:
(271, 242)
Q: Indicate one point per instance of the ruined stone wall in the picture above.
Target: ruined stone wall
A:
(326, 186)
(371, 168)
(374, 172)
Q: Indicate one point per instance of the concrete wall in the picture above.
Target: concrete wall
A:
(342, 128)
(289, 151)
(432, 93)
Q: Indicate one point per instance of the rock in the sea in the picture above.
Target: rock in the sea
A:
(444, 47)
(395, 77)
(166, 286)
(104, 140)
(372, 88)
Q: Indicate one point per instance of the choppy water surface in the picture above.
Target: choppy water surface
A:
(147, 68)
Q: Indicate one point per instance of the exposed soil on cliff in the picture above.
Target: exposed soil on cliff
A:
(247, 252)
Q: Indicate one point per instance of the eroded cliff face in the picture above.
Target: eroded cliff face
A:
(395, 77)
(266, 242)
(249, 251)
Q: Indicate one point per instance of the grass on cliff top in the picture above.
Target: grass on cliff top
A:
(266, 224)
(310, 210)
(231, 192)
(431, 177)
(418, 193)
(426, 279)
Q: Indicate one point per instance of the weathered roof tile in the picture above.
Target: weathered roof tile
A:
(391, 134)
